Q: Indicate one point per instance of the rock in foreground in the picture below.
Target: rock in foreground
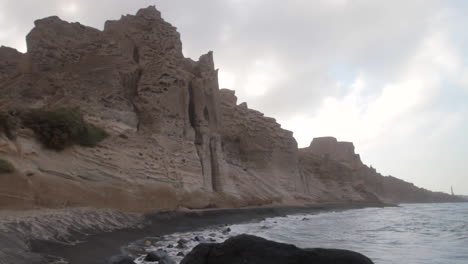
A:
(247, 249)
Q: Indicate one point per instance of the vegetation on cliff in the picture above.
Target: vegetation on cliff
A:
(62, 127)
(8, 125)
(6, 167)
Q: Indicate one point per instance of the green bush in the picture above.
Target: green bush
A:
(8, 124)
(62, 127)
(92, 136)
(6, 167)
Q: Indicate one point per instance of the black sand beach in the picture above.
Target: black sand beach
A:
(96, 248)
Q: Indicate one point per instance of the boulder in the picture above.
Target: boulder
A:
(160, 256)
(200, 239)
(249, 249)
(156, 255)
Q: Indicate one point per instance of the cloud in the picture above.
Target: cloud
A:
(368, 109)
(464, 79)
(405, 124)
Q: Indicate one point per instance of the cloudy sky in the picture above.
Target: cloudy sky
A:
(391, 76)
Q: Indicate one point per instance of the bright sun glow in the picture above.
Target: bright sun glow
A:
(226, 80)
(70, 8)
(264, 74)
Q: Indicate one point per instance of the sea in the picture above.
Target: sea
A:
(410, 233)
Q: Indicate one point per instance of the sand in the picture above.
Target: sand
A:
(87, 236)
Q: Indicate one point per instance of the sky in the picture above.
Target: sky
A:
(390, 76)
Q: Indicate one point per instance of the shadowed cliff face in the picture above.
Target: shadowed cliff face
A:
(258, 151)
(175, 139)
(10, 59)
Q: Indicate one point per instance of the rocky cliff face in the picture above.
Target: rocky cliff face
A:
(161, 109)
(259, 153)
(175, 139)
(329, 147)
(332, 165)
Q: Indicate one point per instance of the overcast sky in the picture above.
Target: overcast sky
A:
(391, 76)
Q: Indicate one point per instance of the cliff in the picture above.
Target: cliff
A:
(174, 138)
(334, 165)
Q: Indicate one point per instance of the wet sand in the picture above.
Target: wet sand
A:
(96, 248)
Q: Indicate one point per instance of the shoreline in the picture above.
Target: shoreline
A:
(99, 245)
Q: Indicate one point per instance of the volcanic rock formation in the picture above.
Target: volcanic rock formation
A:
(255, 250)
(175, 139)
(337, 172)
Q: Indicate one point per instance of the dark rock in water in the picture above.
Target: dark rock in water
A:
(167, 260)
(200, 239)
(180, 254)
(170, 246)
(182, 243)
(161, 256)
(247, 249)
(120, 260)
(156, 255)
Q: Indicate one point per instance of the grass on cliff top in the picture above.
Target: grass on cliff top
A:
(62, 127)
(6, 167)
(8, 124)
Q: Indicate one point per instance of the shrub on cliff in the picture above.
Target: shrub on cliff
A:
(62, 127)
(8, 124)
(6, 167)
(92, 136)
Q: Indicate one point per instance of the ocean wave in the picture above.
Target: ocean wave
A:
(414, 234)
